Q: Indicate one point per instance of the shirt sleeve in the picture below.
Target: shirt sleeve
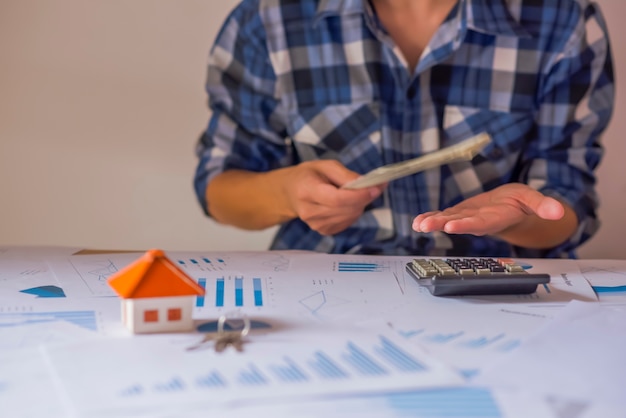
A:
(575, 104)
(246, 128)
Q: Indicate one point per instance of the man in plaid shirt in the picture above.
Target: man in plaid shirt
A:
(306, 95)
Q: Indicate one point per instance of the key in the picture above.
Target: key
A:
(229, 339)
(200, 344)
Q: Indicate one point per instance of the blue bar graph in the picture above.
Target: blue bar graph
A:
(219, 292)
(443, 338)
(358, 267)
(453, 402)
(210, 262)
(326, 368)
(509, 345)
(481, 341)
(411, 333)
(238, 291)
(362, 362)
(212, 380)
(173, 385)
(232, 290)
(251, 377)
(134, 390)
(288, 373)
(84, 319)
(258, 292)
(200, 299)
(202, 263)
(398, 357)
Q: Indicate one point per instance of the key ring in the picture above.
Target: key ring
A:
(222, 320)
(224, 338)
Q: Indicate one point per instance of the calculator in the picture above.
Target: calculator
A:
(474, 276)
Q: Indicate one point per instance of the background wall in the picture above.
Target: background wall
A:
(101, 103)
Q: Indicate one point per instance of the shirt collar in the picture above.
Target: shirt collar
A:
(327, 8)
(487, 16)
(492, 17)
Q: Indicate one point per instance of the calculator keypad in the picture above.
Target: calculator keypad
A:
(465, 266)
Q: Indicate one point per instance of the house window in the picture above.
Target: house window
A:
(174, 314)
(151, 315)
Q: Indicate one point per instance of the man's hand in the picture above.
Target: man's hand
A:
(513, 212)
(312, 190)
(309, 191)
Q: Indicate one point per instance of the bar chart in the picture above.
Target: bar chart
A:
(202, 263)
(331, 362)
(231, 291)
(361, 267)
(84, 319)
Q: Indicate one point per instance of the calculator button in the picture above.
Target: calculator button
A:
(514, 268)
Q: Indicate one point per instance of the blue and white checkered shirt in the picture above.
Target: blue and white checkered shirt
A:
(298, 80)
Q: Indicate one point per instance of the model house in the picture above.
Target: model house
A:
(157, 296)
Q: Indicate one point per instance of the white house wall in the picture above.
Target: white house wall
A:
(135, 309)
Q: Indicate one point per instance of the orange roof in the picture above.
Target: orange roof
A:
(153, 275)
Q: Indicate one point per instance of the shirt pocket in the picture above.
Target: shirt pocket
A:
(349, 133)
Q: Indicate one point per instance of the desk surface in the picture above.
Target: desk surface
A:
(334, 335)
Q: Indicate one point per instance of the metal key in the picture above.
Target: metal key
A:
(230, 338)
(201, 344)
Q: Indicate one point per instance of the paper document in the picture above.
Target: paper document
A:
(578, 355)
(154, 372)
(467, 345)
(607, 278)
(463, 151)
(27, 387)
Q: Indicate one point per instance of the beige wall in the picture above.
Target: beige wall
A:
(101, 103)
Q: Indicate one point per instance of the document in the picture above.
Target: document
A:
(330, 335)
(578, 355)
(311, 286)
(306, 285)
(39, 321)
(27, 387)
(607, 278)
(25, 278)
(154, 371)
(467, 337)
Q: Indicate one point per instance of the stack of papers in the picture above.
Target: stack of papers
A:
(331, 335)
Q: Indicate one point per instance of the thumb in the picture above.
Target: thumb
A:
(336, 173)
(544, 206)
